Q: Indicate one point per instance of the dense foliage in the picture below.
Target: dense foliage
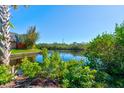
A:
(69, 74)
(106, 54)
(99, 51)
(77, 75)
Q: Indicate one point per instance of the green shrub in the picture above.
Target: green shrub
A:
(65, 83)
(102, 76)
(69, 74)
(100, 50)
(44, 53)
(109, 50)
(5, 74)
(101, 85)
(51, 65)
(77, 75)
(30, 69)
(55, 65)
(118, 82)
(46, 62)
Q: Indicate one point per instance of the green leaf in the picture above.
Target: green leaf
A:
(11, 25)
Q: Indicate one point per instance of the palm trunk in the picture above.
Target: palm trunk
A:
(4, 31)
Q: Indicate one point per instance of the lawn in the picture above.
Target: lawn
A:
(14, 51)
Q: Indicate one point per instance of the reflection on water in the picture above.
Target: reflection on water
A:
(18, 60)
(65, 55)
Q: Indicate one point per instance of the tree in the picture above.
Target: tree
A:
(32, 36)
(4, 31)
(100, 51)
(118, 58)
(108, 49)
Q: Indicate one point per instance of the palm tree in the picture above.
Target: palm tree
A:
(4, 31)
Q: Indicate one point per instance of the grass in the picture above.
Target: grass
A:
(15, 51)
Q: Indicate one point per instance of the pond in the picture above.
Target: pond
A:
(65, 55)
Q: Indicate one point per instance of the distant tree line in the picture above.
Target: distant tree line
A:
(62, 46)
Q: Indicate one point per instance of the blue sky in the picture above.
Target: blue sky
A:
(68, 23)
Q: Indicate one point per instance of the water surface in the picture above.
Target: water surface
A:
(65, 55)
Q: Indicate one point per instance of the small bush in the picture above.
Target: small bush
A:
(46, 63)
(51, 65)
(5, 74)
(30, 69)
(55, 65)
(44, 53)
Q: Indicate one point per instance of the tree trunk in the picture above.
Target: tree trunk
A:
(4, 31)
